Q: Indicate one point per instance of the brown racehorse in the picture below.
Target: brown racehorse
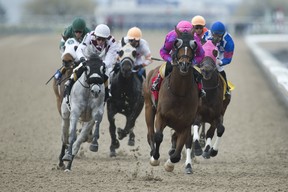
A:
(213, 106)
(177, 103)
(67, 69)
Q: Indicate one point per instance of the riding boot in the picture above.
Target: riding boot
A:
(59, 73)
(68, 86)
(156, 84)
(227, 86)
(198, 79)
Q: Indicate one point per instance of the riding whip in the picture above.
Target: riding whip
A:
(156, 59)
(53, 75)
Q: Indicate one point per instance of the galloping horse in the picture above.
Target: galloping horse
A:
(126, 98)
(213, 106)
(177, 103)
(68, 58)
(87, 104)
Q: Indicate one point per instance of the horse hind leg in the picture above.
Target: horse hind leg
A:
(158, 138)
(61, 165)
(202, 135)
(207, 149)
(214, 149)
(131, 140)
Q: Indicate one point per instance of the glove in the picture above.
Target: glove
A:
(137, 67)
(219, 62)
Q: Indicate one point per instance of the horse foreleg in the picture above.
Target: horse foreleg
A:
(72, 138)
(188, 162)
(65, 135)
(94, 145)
(176, 156)
(87, 126)
(197, 147)
(220, 132)
(57, 94)
(209, 136)
(112, 129)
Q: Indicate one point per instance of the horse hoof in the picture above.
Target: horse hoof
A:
(115, 145)
(206, 155)
(171, 151)
(213, 152)
(93, 147)
(154, 162)
(202, 142)
(131, 142)
(67, 170)
(169, 167)
(188, 169)
(67, 157)
(113, 154)
(121, 133)
(61, 167)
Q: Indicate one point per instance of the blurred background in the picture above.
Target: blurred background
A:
(241, 16)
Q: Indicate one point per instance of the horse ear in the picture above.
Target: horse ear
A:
(120, 53)
(178, 43)
(215, 53)
(75, 48)
(134, 53)
(177, 31)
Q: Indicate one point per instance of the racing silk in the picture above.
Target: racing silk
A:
(69, 33)
(167, 50)
(143, 56)
(108, 51)
(225, 47)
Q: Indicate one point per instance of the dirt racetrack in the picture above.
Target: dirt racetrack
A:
(252, 155)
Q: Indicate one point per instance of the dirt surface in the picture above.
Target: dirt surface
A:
(252, 154)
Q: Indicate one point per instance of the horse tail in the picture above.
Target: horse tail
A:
(57, 94)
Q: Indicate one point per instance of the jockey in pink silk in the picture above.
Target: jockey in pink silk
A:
(167, 50)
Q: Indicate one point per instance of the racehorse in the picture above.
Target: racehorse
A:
(177, 103)
(68, 58)
(87, 104)
(213, 106)
(126, 97)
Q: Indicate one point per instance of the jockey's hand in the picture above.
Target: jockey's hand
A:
(219, 62)
(137, 67)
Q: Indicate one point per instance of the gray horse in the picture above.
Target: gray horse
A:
(87, 104)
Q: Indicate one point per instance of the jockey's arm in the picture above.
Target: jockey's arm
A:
(82, 45)
(228, 53)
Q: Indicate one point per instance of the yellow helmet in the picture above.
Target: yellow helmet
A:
(134, 33)
(198, 20)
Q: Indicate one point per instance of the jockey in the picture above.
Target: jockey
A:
(199, 24)
(143, 58)
(225, 44)
(77, 31)
(167, 50)
(105, 45)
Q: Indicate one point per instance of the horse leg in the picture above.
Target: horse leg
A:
(72, 138)
(94, 145)
(57, 94)
(112, 129)
(209, 136)
(173, 143)
(188, 162)
(149, 119)
(65, 135)
(87, 126)
(69, 165)
(220, 132)
(202, 135)
(197, 147)
(176, 156)
(131, 141)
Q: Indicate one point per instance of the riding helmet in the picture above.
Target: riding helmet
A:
(78, 24)
(102, 30)
(218, 28)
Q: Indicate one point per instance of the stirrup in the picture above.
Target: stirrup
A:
(202, 93)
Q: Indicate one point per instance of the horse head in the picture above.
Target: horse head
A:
(185, 47)
(69, 54)
(208, 64)
(127, 56)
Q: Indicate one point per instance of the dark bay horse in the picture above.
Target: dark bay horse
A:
(177, 103)
(126, 98)
(213, 106)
